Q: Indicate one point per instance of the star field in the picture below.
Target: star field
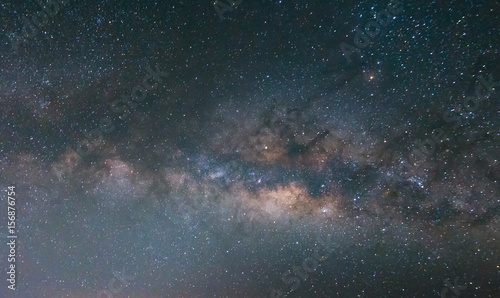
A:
(251, 149)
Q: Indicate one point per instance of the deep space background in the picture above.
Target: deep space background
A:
(261, 152)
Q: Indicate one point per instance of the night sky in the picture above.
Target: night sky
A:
(251, 148)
